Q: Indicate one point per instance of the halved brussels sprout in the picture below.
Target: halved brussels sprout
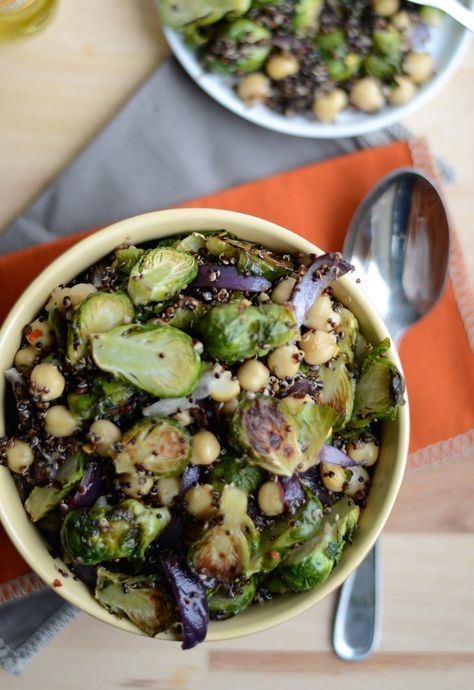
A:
(225, 602)
(225, 549)
(158, 359)
(104, 533)
(251, 46)
(310, 564)
(192, 243)
(99, 313)
(43, 499)
(156, 445)
(126, 258)
(237, 471)
(159, 274)
(379, 390)
(306, 17)
(348, 332)
(337, 391)
(180, 13)
(104, 398)
(249, 257)
(264, 428)
(143, 600)
(314, 423)
(236, 331)
(286, 532)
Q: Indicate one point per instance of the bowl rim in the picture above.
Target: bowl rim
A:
(153, 225)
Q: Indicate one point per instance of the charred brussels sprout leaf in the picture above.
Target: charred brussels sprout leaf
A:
(158, 359)
(235, 331)
(348, 332)
(43, 499)
(225, 602)
(266, 430)
(104, 533)
(306, 18)
(337, 391)
(180, 13)
(236, 471)
(252, 46)
(279, 539)
(160, 446)
(126, 258)
(105, 398)
(224, 550)
(143, 600)
(310, 564)
(159, 274)
(249, 257)
(379, 390)
(99, 313)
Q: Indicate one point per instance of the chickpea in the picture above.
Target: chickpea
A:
(282, 66)
(402, 22)
(327, 107)
(321, 315)
(358, 480)
(183, 417)
(253, 375)
(285, 361)
(225, 388)
(40, 335)
(418, 66)
(168, 489)
(403, 92)
(271, 499)
(318, 347)
(79, 292)
(135, 485)
(47, 382)
(334, 477)
(294, 403)
(263, 297)
(282, 292)
(230, 406)
(200, 501)
(367, 95)
(25, 358)
(59, 299)
(386, 8)
(103, 435)
(366, 452)
(254, 88)
(205, 448)
(19, 457)
(59, 422)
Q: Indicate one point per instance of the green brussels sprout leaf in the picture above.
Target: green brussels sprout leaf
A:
(126, 258)
(237, 471)
(348, 331)
(104, 398)
(252, 46)
(159, 274)
(180, 13)
(225, 602)
(249, 257)
(337, 391)
(306, 17)
(44, 499)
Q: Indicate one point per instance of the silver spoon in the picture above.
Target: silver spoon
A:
(398, 241)
(454, 9)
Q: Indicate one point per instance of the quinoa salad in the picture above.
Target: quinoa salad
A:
(311, 57)
(192, 425)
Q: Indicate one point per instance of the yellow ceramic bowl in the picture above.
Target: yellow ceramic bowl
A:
(389, 469)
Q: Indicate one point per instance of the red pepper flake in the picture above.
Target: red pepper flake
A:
(274, 555)
(57, 583)
(35, 334)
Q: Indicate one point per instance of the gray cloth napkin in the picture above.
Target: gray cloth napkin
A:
(170, 143)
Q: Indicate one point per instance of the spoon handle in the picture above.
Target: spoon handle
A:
(356, 631)
(454, 9)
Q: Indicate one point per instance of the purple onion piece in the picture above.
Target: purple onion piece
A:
(320, 274)
(86, 573)
(172, 534)
(312, 479)
(191, 600)
(303, 387)
(91, 487)
(420, 36)
(293, 493)
(191, 476)
(335, 456)
(216, 276)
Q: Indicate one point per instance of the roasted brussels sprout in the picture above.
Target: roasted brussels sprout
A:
(158, 359)
(310, 564)
(157, 445)
(159, 274)
(185, 314)
(143, 600)
(306, 17)
(315, 422)
(379, 390)
(388, 43)
(249, 258)
(104, 398)
(237, 471)
(287, 531)
(181, 13)
(348, 332)
(104, 533)
(99, 313)
(252, 46)
(126, 258)
(43, 499)
(264, 428)
(337, 391)
(237, 331)
(224, 550)
(192, 243)
(225, 602)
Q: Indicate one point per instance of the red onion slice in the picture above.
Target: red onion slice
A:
(14, 377)
(228, 277)
(92, 486)
(334, 456)
(169, 406)
(321, 273)
(293, 494)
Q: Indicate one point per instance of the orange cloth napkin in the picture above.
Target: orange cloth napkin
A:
(317, 202)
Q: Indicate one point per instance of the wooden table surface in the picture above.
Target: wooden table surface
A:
(56, 91)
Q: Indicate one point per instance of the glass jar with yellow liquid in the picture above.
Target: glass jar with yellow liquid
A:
(24, 17)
